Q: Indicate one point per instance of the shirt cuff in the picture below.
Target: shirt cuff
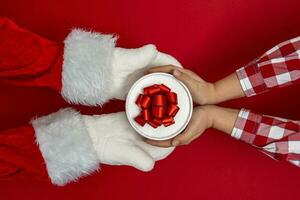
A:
(246, 126)
(251, 79)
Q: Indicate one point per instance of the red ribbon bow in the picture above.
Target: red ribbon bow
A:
(159, 106)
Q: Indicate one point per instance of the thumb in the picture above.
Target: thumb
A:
(157, 153)
(164, 59)
(187, 136)
(134, 156)
(128, 65)
(185, 78)
(138, 58)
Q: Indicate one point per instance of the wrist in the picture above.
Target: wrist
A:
(218, 97)
(227, 88)
(97, 134)
(210, 115)
(222, 119)
(212, 93)
(209, 97)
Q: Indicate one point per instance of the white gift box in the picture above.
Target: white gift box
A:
(182, 118)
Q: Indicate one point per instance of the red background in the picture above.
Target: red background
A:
(211, 37)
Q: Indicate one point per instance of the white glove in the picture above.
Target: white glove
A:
(117, 143)
(129, 64)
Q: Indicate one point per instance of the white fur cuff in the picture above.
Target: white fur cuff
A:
(87, 73)
(66, 146)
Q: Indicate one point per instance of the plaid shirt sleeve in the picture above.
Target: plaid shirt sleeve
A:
(278, 67)
(276, 137)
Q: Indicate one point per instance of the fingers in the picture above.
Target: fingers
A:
(134, 156)
(171, 68)
(145, 54)
(183, 139)
(186, 79)
(188, 135)
(139, 57)
(164, 68)
(164, 59)
(164, 143)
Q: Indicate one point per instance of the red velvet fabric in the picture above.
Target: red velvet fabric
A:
(20, 156)
(28, 59)
(213, 38)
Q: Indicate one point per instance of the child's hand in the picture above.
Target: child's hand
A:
(202, 92)
(201, 120)
(203, 117)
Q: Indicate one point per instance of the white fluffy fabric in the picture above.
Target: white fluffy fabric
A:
(66, 146)
(87, 73)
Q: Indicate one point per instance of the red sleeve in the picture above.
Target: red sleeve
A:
(277, 137)
(56, 148)
(19, 155)
(80, 69)
(28, 59)
(278, 67)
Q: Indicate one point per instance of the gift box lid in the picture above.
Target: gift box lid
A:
(182, 118)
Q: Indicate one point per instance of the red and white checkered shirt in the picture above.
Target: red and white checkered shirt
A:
(277, 137)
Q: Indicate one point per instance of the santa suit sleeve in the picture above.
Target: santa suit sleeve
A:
(79, 69)
(56, 148)
(19, 155)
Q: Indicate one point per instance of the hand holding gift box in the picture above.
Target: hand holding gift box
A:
(86, 69)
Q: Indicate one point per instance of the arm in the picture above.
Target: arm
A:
(69, 145)
(76, 69)
(64, 146)
(19, 155)
(203, 117)
(278, 67)
(55, 148)
(86, 69)
(277, 137)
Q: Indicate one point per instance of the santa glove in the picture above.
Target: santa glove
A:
(73, 145)
(128, 65)
(116, 142)
(94, 70)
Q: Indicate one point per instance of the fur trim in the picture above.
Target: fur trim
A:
(87, 73)
(66, 146)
